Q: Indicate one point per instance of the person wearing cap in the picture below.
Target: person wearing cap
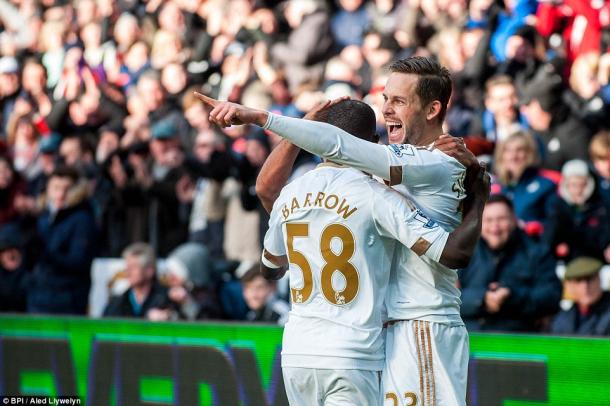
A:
(561, 132)
(155, 184)
(590, 313)
(579, 224)
(510, 283)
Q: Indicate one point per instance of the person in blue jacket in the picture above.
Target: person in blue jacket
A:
(518, 177)
(68, 243)
(510, 283)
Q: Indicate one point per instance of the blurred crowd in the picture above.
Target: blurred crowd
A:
(105, 152)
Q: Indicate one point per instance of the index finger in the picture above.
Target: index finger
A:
(207, 100)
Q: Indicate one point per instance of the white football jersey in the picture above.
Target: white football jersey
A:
(339, 229)
(433, 179)
(419, 288)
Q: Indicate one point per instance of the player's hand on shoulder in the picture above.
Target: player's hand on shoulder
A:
(455, 148)
(481, 182)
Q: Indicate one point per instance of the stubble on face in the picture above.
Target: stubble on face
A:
(402, 110)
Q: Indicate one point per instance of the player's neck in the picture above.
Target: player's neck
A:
(430, 135)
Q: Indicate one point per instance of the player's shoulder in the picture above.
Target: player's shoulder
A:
(422, 155)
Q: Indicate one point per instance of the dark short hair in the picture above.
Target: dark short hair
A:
(434, 80)
(253, 273)
(64, 171)
(354, 117)
(500, 198)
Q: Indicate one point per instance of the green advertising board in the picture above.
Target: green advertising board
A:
(125, 362)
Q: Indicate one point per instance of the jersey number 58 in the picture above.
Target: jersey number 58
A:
(332, 262)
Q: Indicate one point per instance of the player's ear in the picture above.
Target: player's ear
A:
(433, 110)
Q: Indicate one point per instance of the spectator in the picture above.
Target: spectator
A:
(562, 133)
(519, 178)
(23, 142)
(349, 24)
(599, 151)
(9, 90)
(167, 223)
(308, 44)
(154, 99)
(580, 222)
(585, 97)
(210, 165)
(578, 22)
(13, 277)
(501, 116)
(510, 283)
(67, 232)
(590, 313)
(259, 294)
(145, 298)
(192, 283)
(11, 187)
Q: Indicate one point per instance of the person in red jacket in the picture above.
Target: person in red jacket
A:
(579, 21)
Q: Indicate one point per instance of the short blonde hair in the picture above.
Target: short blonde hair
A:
(527, 140)
(585, 64)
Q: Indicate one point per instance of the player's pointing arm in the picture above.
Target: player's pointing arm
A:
(319, 138)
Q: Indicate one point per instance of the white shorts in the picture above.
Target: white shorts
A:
(426, 364)
(329, 387)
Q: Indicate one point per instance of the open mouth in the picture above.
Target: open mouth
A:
(395, 131)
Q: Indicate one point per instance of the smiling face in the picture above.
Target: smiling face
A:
(497, 225)
(402, 110)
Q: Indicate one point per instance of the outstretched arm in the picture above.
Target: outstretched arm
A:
(319, 138)
(277, 168)
(462, 241)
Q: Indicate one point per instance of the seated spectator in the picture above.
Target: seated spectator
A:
(599, 151)
(13, 277)
(68, 244)
(519, 178)
(145, 297)
(580, 222)
(590, 314)
(191, 282)
(259, 294)
(510, 283)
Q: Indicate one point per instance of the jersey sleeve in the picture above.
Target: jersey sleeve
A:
(274, 237)
(398, 218)
(417, 168)
(332, 143)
